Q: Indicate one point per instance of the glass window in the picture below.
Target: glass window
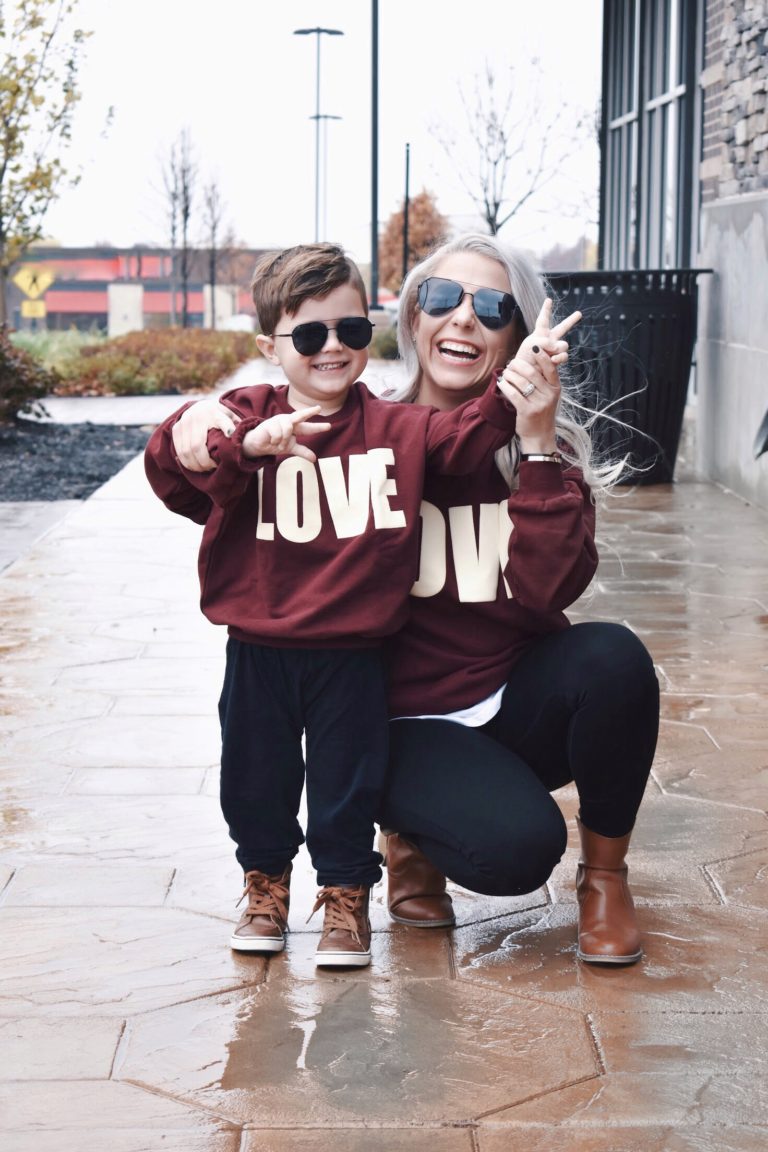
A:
(648, 91)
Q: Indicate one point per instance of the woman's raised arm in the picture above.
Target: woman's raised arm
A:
(190, 433)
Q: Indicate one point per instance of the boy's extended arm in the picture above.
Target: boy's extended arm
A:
(460, 441)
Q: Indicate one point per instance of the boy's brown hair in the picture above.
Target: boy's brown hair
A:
(282, 281)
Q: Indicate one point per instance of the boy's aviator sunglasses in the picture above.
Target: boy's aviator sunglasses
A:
(308, 339)
(494, 310)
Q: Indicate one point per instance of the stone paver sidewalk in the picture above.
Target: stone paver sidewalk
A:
(127, 1024)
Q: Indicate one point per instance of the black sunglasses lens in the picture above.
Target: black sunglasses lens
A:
(437, 297)
(493, 309)
(309, 338)
(355, 332)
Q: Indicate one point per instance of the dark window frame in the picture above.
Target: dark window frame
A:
(649, 132)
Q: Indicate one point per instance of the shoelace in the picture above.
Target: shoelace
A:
(267, 896)
(340, 904)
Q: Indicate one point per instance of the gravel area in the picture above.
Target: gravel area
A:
(63, 461)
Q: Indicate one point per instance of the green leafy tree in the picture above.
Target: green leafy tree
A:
(426, 229)
(40, 50)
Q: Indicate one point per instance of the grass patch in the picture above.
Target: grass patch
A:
(54, 349)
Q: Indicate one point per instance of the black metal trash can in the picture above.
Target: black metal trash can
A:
(633, 349)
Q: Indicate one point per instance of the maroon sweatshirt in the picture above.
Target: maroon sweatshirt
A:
(497, 569)
(301, 554)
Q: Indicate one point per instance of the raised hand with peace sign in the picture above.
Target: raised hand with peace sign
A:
(277, 435)
(531, 382)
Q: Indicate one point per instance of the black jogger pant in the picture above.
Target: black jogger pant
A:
(581, 705)
(271, 696)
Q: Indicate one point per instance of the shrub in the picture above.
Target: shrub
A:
(384, 344)
(23, 382)
(169, 361)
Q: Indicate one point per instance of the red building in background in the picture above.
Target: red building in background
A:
(119, 289)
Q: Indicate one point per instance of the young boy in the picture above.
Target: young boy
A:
(308, 557)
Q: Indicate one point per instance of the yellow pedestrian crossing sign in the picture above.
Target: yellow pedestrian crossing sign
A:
(34, 280)
(33, 309)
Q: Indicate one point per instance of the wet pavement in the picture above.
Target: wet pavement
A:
(127, 1024)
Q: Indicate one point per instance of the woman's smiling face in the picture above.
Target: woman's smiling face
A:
(457, 355)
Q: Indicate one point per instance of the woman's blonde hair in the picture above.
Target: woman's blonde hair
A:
(529, 289)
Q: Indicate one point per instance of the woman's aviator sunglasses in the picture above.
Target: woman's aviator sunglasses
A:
(308, 339)
(494, 310)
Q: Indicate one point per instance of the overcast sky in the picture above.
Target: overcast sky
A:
(234, 74)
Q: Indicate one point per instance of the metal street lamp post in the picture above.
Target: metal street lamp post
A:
(325, 118)
(374, 153)
(318, 32)
(406, 206)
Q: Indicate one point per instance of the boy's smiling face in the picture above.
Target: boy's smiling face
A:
(325, 377)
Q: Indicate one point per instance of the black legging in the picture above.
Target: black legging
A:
(582, 705)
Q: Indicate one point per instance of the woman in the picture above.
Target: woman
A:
(496, 699)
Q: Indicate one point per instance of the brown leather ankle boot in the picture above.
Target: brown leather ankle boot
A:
(608, 932)
(415, 888)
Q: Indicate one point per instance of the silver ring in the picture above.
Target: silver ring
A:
(529, 391)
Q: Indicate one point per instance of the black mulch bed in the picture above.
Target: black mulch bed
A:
(63, 461)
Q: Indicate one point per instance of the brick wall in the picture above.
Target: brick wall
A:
(735, 89)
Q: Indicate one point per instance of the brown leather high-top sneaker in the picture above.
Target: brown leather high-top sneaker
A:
(264, 922)
(416, 892)
(346, 937)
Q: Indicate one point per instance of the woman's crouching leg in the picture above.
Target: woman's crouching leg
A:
(511, 859)
(473, 808)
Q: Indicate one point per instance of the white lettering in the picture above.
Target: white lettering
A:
(287, 503)
(432, 558)
(506, 528)
(478, 563)
(349, 508)
(298, 512)
(264, 530)
(383, 486)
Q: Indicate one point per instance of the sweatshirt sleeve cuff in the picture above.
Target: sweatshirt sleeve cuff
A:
(541, 476)
(223, 447)
(497, 410)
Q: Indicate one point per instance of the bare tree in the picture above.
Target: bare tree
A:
(170, 171)
(213, 217)
(518, 150)
(235, 259)
(179, 173)
(187, 181)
